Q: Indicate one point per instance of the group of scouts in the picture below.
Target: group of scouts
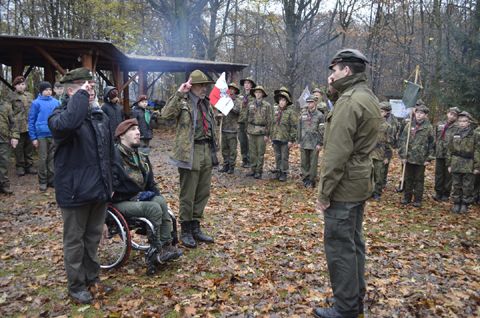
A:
(258, 122)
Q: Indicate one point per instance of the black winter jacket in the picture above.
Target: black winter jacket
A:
(127, 187)
(145, 129)
(114, 113)
(85, 165)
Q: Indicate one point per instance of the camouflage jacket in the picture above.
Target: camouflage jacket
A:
(242, 117)
(21, 103)
(442, 145)
(476, 154)
(393, 121)
(259, 118)
(180, 107)
(384, 148)
(286, 129)
(460, 151)
(309, 135)
(421, 147)
(230, 122)
(8, 126)
(321, 107)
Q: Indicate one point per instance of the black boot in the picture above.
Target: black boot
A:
(231, 169)
(5, 188)
(407, 199)
(197, 233)
(437, 196)
(225, 167)
(186, 235)
(277, 175)
(283, 177)
(456, 207)
(464, 208)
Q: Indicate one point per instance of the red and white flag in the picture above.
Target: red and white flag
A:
(220, 98)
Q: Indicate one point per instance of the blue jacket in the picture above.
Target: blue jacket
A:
(41, 108)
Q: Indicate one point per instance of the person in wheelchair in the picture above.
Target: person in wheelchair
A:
(137, 193)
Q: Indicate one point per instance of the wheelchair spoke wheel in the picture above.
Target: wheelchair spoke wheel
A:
(114, 251)
(139, 241)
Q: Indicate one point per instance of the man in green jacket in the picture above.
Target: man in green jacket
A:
(229, 132)
(393, 121)
(8, 138)
(194, 153)
(346, 180)
(245, 99)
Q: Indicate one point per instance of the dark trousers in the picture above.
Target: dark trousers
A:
(385, 173)
(378, 172)
(282, 155)
(345, 252)
(82, 230)
(24, 152)
(309, 164)
(463, 187)
(46, 169)
(443, 178)
(5, 160)
(244, 143)
(229, 148)
(414, 180)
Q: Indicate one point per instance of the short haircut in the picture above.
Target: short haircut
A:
(355, 67)
(58, 85)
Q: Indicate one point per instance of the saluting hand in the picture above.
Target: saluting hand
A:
(185, 87)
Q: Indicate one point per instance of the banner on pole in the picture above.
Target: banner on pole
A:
(303, 98)
(219, 97)
(411, 94)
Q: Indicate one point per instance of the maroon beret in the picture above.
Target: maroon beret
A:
(125, 125)
(140, 98)
(18, 80)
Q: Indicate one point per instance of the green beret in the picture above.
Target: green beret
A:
(79, 74)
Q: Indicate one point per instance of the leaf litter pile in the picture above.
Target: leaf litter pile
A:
(268, 258)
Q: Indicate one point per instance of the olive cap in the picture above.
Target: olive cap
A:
(419, 103)
(234, 86)
(259, 88)
(465, 114)
(317, 90)
(386, 106)
(198, 77)
(348, 55)
(312, 98)
(79, 74)
(242, 81)
(422, 108)
(454, 110)
(284, 95)
(283, 89)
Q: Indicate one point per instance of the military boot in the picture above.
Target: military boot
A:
(277, 175)
(21, 172)
(176, 252)
(5, 188)
(283, 177)
(407, 199)
(197, 233)
(437, 196)
(456, 207)
(246, 164)
(224, 168)
(186, 235)
(231, 169)
(30, 170)
(464, 208)
(417, 203)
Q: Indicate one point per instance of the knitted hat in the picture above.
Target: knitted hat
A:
(140, 98)
(125, 125)
(113, 94)
(18, 80)
(44, 86)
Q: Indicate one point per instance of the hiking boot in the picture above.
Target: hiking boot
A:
(242, 164)
(464, 208)
(456, 207)
(101, 287)
(445, 198)
(437, 196)
(21, 173)
(172, 249)
(82, 296)
(407, 199)
(258, 176)
(376, 197)
(283, 177)
(417, 203)
(30, 171)
(51, 185)
(330, 301)
(330, 312)
(274, 170)
(250, 174)
(5, 188)
(197, 233)
(186, 235)
(277, 175)
(231, 169)
(246, 165)
(224, 168)
(43, 187)
(163, 256)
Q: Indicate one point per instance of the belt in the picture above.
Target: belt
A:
(259, 125)
(462, 156)
(202, 142)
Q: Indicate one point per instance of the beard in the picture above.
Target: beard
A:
(135, 145)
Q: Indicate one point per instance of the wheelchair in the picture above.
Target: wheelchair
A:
(126, 233)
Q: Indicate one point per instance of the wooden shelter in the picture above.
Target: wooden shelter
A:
(99, 56)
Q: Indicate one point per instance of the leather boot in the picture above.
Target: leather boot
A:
(224, 168)
(277, 175)
(456, 207)
(197, 233)
(231, 169)
(407, 199)
(5, 188)
(283, 177)
(464, 208)
(186, 235)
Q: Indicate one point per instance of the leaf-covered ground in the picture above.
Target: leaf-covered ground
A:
(268, 259)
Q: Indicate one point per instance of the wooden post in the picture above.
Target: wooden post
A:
(126, 93)
(142, 82)
(116, 79)
(87, 61)
(17, 64)
(234, 77)
(49, 75)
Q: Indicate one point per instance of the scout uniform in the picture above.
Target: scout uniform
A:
(244, 100)
(229, 135)
(393, 121)
(283, 131)
(444, 131)
(276, 106)
(194, 153)
(310, 139)
(24, 152)
(421, 148)
(258, 126)
(461, 159)
(383, 151)
(8, 131)
(321, 105)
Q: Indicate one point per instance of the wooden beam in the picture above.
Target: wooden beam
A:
(218, 76)
(104, 78)
(28, 71)
(49, 75)
(52, 61)
(153, 83)
(17, 64)
(95, 62)
(87, 61)
(116, 79)
(126, 93)
(234, 77)
(131, 79)
(142, 82)
(7, 83)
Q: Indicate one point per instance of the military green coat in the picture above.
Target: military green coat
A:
(242, 117)
(460, 152)
(421, 147)
(310, 136)
(442, 145)
(180, 108)
(476, 155)
(286, 130)
(230, 122)
(8, 126)
(21, 103)
(393, 121)
(259, 118)
(351, 133)
(384, 148)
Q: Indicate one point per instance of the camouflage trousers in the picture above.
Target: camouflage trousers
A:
(378, 172)
(46, 169)
(463, 185)
(309, 164)
(443, 178)
(229, 148)
(282, 155)
(24, 152)
(414, 180)
(244, 142)
(257, 151)
(385, 173)
(5, 161)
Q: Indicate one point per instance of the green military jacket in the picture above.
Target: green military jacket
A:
(259, 118)
(442, 145)
(230, 122)
(21, 103)
(384, 148)
(286, 129)
(393, 121)
(309, 125)
(180, 108)
(460, 151)
(8, 126)
(321, 107)
(476, 155)
(421, 147)
(351, 133)
(243, 115)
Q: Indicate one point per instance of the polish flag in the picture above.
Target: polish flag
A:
(220, 97)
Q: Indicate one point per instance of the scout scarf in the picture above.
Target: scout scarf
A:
(147, 116)
(131, 164)
(244, 99)
(204, 118)
(444, 130)
(256, 105)
(280, 115)
(310, 114)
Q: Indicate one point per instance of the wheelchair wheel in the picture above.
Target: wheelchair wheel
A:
(174, 228)
(151, 270)
(139, 241)
(114, 252)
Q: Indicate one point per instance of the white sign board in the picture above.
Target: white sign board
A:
(398, 108)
